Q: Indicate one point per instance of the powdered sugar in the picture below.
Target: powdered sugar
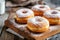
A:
(21, 14)
(49, 14)
(40, 23)
(37, 7)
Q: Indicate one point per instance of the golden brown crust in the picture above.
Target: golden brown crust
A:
(38, 25)
(24, 19)
(34, 28)
(40, 9)
(53, 21)
(38, 13)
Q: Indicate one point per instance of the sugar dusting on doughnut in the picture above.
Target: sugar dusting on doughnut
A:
(24, 12)
(40, 7)
(52, 14)
(39, 21)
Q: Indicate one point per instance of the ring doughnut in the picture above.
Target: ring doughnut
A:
(53, 16)
(38, 24)
(22, 15)
(40, 9)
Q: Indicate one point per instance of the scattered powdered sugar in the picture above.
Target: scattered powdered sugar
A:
(40, 7)
(50, 14)
(40, 22)
(21, 14)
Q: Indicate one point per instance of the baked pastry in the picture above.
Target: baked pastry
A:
(22, 15)
(38, 24)
(53, 16)
(40, 9)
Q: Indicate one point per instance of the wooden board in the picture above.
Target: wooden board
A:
(22, 30)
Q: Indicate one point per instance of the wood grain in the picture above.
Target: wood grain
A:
(6, 36)
(22, 30)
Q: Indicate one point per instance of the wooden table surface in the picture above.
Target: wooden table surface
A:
(22, 30)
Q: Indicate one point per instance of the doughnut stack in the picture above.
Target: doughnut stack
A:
(38, 18)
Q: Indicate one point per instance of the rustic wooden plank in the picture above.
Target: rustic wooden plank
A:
(18, 31)
(21, 29)
(6, 36)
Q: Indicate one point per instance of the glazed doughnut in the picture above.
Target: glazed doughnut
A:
(53, 16)
(40, 9)
(22, 15)
(38, 24)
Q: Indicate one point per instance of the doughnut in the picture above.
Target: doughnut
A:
(53, 16)
(40, 9)
(38, 24)
(23, 14)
